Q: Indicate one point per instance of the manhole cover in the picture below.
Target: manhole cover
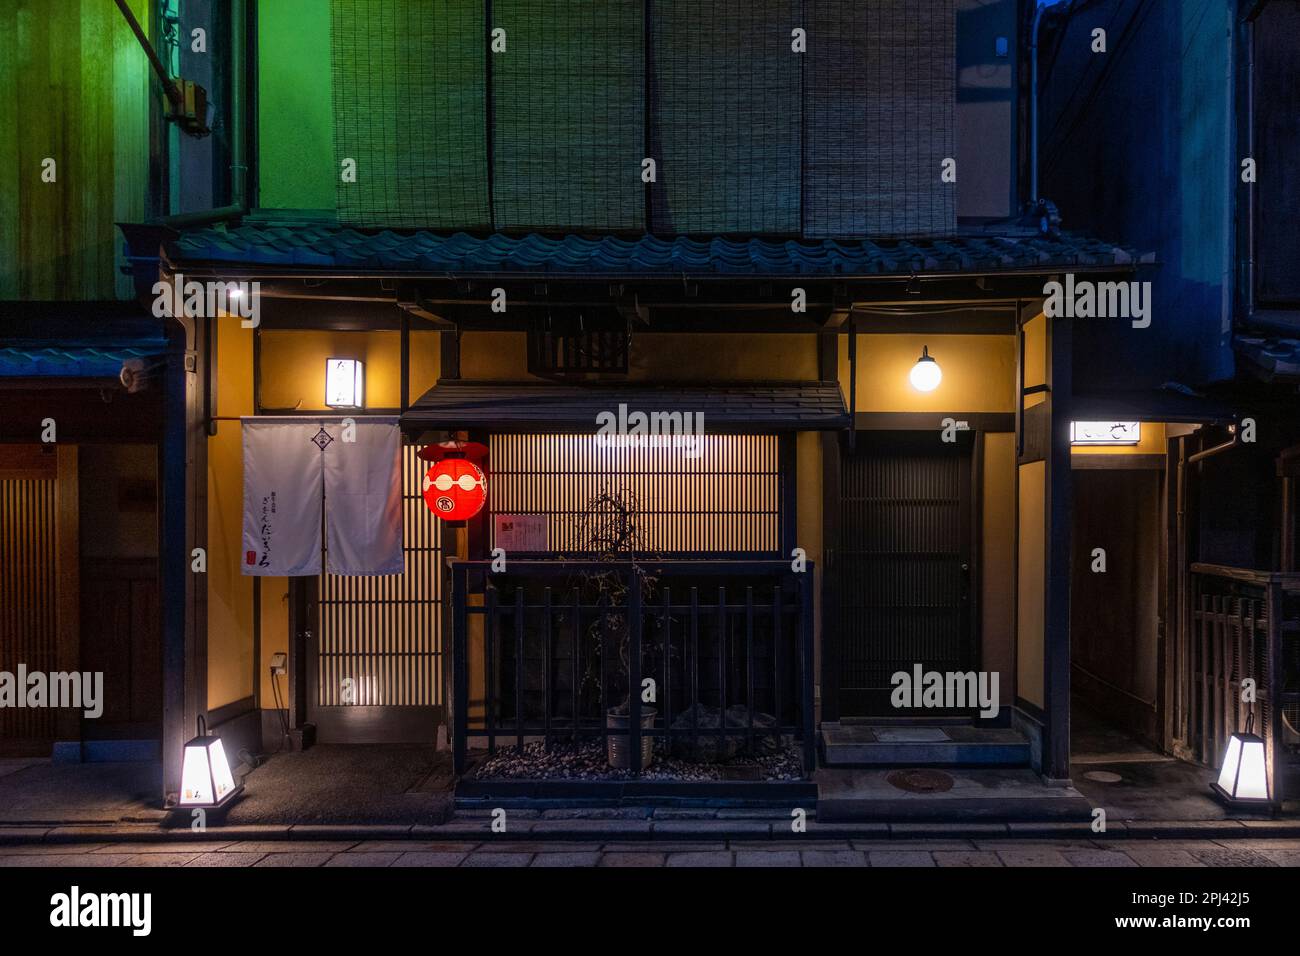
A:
(1102, 776)
(920, 781)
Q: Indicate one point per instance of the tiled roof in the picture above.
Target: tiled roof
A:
(1273, 357)
(317, 246)
(75, 362)
(781, 406)
(1167, 404)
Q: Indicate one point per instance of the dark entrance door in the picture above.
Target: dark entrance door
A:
(902, 572)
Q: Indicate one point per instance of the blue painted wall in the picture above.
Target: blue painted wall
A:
(1136, 147)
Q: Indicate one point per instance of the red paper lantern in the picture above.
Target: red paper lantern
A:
(455, 489)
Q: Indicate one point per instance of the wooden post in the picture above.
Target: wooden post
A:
(458, 704)
(67, 582)
(182, 528)
(806, 671)
(1060, 507)
(1274, 610)
(634, 669)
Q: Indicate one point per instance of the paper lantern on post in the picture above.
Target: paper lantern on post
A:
(455, 489)
(206, 780)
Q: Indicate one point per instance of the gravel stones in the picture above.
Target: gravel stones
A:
(586, 761)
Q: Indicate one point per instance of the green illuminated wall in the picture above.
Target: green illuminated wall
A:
(74, 146)
(295, 124)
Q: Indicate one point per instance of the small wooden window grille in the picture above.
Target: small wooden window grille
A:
(577, 353)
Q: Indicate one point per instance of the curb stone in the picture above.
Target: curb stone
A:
(643, 829)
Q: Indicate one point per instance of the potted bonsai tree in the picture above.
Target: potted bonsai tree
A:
(610, 531)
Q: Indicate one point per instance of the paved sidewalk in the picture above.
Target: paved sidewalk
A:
(810, 853)
(662, 826)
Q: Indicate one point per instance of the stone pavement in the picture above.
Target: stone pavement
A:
(1264, 852)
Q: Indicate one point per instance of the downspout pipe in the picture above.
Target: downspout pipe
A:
(1218, 449)
(1033, 104)
(240, 117)
(1250, 189)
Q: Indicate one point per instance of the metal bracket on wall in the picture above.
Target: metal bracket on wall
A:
(188, 100)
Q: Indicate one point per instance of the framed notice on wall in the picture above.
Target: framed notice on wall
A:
(520, 532)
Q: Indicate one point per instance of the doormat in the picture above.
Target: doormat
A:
(920, 781)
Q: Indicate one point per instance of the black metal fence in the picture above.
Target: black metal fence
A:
(721, 652)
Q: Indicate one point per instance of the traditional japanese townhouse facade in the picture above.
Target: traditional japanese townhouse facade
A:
(796, 227)
(629, 209)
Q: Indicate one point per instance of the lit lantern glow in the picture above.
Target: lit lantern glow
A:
(345, 381)
(206, 780)
(1244, 777)
(926, 374)
(455, 489)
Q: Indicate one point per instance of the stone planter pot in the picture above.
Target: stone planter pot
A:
(617, 751)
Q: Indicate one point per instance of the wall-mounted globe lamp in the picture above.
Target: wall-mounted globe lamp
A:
(926, 374)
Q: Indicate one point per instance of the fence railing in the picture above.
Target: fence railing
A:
(1245, 624)
(712, 656)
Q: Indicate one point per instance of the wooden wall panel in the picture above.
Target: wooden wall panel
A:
(120, 639)
(39, 584)
(28, 600)
(74, 86)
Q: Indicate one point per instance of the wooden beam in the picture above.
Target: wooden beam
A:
(29, 462)
(828, 357)
(1036, 433)
(1121, 462)
(449, 355)
(932, 421)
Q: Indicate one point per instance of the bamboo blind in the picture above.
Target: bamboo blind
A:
(409, 89)
(723, 502)
(749, 137)
(879, 107)
(29, 570)
(569, 122)
(725, 96)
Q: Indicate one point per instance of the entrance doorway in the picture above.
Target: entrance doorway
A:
(903, 568)
(373, 645)
(1115, 598)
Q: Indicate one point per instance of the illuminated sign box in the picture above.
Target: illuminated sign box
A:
(345, 383)
(1105, 433)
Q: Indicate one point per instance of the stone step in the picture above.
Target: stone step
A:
(892, 745)
(979, 795)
